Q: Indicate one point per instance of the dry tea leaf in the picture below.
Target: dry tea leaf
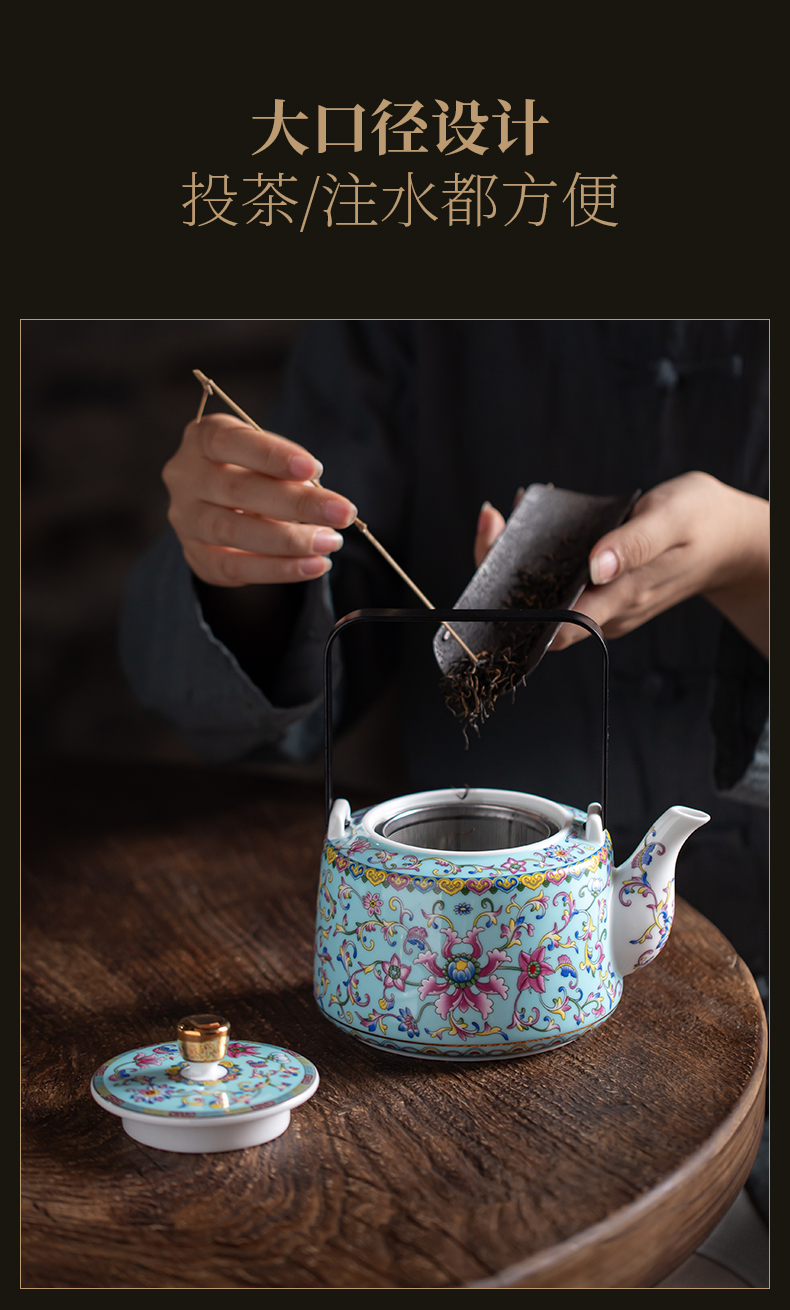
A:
(471, 690)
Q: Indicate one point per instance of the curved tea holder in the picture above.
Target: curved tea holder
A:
(469, 616)
(203, 1092)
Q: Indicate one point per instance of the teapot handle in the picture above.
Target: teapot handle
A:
(469, 616)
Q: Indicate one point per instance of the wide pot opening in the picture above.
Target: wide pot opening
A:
(473, 826)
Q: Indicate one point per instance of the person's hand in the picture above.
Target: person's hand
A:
(244, 509)
(690, 536)
(489, 525)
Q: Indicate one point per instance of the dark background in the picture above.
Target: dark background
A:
(115, 110)
(104, 405)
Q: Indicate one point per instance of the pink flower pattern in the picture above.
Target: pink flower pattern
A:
(534, 970)
(462, 981)
(395, 973)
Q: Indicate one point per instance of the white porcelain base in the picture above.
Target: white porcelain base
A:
(207, 1138)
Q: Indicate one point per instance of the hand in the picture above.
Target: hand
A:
(690, 536)
(489, 525)
(244, 509)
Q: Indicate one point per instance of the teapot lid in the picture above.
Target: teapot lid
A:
(203, 1092)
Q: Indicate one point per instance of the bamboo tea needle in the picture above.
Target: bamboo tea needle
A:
(210, 387)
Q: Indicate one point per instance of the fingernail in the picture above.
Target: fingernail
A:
(518, 496)
(337, 513)
(486, 505)
(604, 567)
(314, 568)
(304, 467)
(325, 540)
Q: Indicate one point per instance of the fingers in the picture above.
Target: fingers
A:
(589, 603)
(632, 599)
(490, 524)
(636, 570)
(693, 535)
(244, 507)
(225, 462)
(213, 525)
(222, 567)
(227, 440)
(597, 604)
(656, 523)
(255, 493)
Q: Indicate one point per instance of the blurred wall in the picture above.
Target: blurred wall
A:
(103, 407)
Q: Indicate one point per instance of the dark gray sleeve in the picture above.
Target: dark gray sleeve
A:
(347, 397)
(177, 666)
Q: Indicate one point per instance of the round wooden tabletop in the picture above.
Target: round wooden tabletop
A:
(151, 892)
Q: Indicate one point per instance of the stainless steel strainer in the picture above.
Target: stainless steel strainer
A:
(467, 827)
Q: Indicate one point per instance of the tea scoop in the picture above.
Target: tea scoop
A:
(202, 1092)
(539, 561)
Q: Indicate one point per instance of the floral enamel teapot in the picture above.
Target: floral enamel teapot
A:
(485, 954)
(481, 924)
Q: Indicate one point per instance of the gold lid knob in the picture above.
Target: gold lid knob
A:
(203, 1038)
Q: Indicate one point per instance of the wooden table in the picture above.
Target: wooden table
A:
(151, 892)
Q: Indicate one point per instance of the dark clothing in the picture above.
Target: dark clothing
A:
(418, 423)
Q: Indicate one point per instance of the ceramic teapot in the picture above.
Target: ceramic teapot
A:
(432, 941)
(482, 924)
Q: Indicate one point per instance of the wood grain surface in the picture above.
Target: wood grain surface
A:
(151, 892)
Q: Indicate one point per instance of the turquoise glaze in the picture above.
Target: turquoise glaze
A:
(150, 1081)
(486, 954)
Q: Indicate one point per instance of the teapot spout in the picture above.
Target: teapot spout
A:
(643, 899)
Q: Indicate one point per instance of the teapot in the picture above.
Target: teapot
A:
(479, 923)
